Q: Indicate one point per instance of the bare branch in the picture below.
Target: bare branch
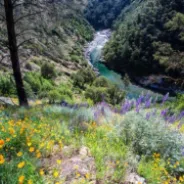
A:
(24, 4)
(27, 15)
(25, 41)
(22, 32)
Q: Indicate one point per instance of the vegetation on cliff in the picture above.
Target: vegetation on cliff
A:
(148, 39)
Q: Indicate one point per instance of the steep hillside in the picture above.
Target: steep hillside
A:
(148, 39)
(102, 13)
(57, 34)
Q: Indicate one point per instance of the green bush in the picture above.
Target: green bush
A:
(38, 84)
(28, 89)
(102, 89)
(116, 96)
(75, 58)
(97, 94)
(83, 77)
(48, 71)
(7, 85)
(111, 94)
(101, 82)
(65, 90)
(147, 137)
(54, 96)
(180, 102)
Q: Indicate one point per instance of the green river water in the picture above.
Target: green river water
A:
(132, 90)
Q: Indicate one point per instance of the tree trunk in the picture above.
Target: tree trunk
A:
(14, 53)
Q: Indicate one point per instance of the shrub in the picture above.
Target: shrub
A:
(48, 71)
(54, 96)
(7, 85)
(75, 58)
(104, 90)
(34, 80)
(150, 136)
(83, 77)
(180, 102)
(97, 94)
(28, 89)
(39, 85)
(116, 96)
(101, 82)
(65, 90)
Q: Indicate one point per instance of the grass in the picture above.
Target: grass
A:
(28, 137)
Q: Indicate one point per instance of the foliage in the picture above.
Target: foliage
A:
(48, 71)
(180, 102)
(119, 139)
(103, 90)
(7, 85)
(148, 39)
(146, 135)
(37, 82)
(102, 13)
(83, 77)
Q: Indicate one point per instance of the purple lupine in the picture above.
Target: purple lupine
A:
(165, 98)
(167, 118)
(148, 103)
(140, 100)
(164, 112)
(147, 97)
(172, 119)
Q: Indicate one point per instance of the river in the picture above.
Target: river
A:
(93, 55)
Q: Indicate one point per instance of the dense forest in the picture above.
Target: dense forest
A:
(148, 39)
(102, 13)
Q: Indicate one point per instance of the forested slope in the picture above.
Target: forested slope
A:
(148, 39)
(102, 13)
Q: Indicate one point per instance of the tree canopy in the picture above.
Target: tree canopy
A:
(148, 38)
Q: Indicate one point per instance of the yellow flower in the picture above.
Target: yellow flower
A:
(58, 161)
(31, 149)
(30, 182)
(2, 160)
(1, 143)
(38, 155)
(87, 176)
(8, 139)
(55, 174)
(21, 165)
(21, 179)
(29, 144)
(181, 179)
(41, 172)
(78, 175)
(19, 154)
(139, 182)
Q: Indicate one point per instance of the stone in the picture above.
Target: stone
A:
(134, 178)
(84, 151)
